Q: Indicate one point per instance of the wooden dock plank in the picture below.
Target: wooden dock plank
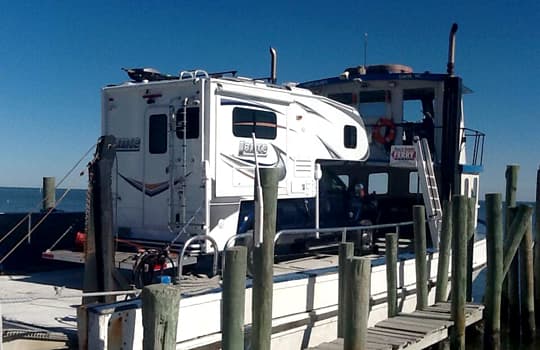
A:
(401, 333)
(412, 331)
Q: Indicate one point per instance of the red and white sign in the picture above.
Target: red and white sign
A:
(403, 156)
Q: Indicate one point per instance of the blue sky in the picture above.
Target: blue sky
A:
(56, 55)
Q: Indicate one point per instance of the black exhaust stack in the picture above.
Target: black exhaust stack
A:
(451, 50)
(273, 65)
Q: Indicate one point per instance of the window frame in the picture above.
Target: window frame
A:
(260, 126)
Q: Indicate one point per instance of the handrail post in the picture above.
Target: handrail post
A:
(459, 270)
(441, 290)
(391, 273)
(419, 217)
(346, 250)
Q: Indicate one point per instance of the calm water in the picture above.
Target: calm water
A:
(24, 200)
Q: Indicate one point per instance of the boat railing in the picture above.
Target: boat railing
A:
(316, 233)
(476, 155)
(197, 239)
(342, 230)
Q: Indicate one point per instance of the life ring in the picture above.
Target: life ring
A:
(384, 131)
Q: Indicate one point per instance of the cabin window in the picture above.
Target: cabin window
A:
(418, 115)
(157, 134)
(248, 121)
(418, 104)
(378, 183)
(374, 104)
(192, 123)
(347, 98)
(414, 184)
(349, 136)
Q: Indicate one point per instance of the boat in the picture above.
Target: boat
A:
(381, 138)
(418, 154)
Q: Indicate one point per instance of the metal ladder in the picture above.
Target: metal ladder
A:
(430, 192)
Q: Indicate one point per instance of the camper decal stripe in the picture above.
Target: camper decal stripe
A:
(227, 102)
(332, 153)
(150, 189)
(312, 111)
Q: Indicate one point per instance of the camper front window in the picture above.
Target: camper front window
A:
(247, 121)
(349, 136)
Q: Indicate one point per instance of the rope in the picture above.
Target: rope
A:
(27, 216)
(183, 230)
(62, 236)
(35, 227)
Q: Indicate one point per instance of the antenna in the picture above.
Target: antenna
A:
(365, 49)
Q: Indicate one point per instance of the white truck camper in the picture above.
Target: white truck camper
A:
(185, 153)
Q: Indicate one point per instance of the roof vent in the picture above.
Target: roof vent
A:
(377, 69)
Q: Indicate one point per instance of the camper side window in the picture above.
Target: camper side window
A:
(248, 121)
(349, 136)
(157, 134)
(192, 123)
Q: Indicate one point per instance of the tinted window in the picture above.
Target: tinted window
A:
(248, 121)
(192, 123)
(347, 98)
(349, 136)
(157, 134)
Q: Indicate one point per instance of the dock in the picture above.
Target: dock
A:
(412, 331)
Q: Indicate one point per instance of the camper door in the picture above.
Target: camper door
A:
(156, 164)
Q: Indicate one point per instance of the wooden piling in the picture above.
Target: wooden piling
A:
(346, 250)
(470, 245)
(537, 250)
(441, 288)
(459, 270)
(528, 324)
(99, 269)
(48, 193)
(358, 296)
(494, 270)
(391, 273)
(232, 306)
(160, 305)
(263, 265)
(419, 219)
(515, 235)
(513, 273)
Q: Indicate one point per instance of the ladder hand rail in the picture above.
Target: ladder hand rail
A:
(430, 190)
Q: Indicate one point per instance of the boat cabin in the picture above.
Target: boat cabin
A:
(398, 105)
